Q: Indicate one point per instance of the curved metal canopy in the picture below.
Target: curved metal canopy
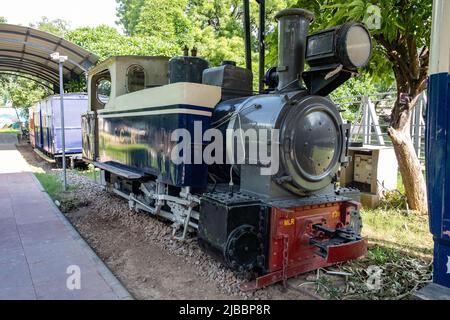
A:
(26, 50)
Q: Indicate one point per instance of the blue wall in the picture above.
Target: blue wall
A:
(438, 172)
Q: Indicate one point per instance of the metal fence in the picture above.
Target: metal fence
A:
(370, 115)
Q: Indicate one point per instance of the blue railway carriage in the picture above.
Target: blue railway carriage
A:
(38, 140)
(47, 126)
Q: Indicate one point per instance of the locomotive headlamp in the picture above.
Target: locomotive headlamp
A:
(358, 45)
(349, 45)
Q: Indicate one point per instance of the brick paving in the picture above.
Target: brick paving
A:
(38, 244)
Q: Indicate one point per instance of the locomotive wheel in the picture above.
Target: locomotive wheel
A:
(241, 250)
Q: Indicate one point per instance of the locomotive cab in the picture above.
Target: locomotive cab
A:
(115, 77)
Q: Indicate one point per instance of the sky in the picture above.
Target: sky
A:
(78, 13)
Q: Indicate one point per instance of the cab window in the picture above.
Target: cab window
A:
(135, 78)
(103, 90)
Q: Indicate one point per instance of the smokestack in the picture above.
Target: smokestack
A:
(293, 27)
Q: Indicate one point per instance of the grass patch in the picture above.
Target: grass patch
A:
(400, 252)
(401, 247)
(398, 273)
(400, 185)
(9, 131)
(90, 172)
(54, 187)
(396, 229)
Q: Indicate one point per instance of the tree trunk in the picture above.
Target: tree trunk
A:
(409, 163)
(411, 72)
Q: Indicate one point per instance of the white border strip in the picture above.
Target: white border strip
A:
(158, 112)
(440, 39)
(180, 93)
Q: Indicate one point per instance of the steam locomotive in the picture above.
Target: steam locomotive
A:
(266, 226)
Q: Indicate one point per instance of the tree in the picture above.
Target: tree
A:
(215, 27)
(128, 12)
(402, 41)
(58, 27)
(106, 42)
(22, 93)
(3, 19)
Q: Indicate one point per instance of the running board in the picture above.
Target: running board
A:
(118, 171)
(75, 156)
(43, 156)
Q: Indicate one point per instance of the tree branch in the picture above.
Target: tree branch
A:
(413, 56)
(394, 56)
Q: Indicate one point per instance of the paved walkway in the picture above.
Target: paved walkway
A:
(40, 252)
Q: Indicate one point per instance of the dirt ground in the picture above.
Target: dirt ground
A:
(140, 251)
(145, 269)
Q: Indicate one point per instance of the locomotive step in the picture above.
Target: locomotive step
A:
(119, 171)
(331, 249)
